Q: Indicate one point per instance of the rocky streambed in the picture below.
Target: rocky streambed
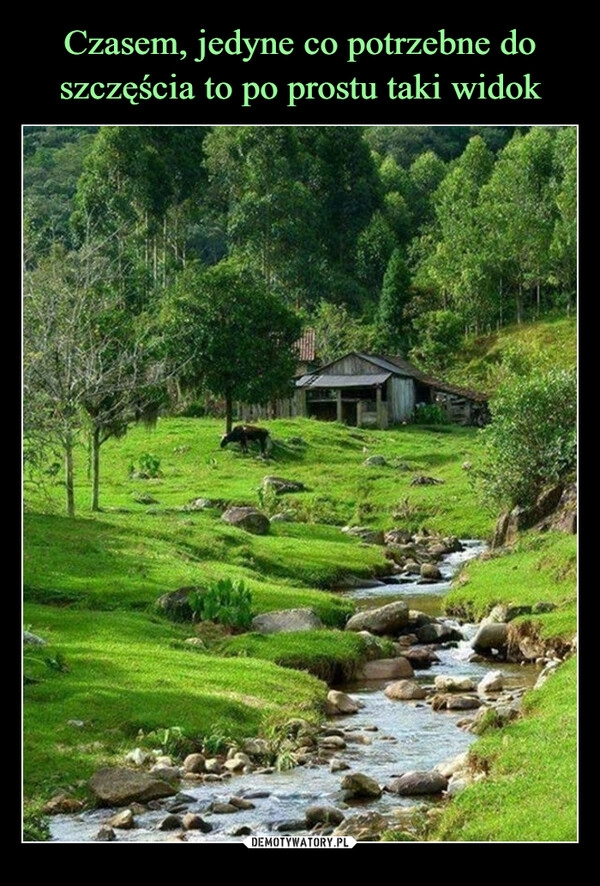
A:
(395, 742)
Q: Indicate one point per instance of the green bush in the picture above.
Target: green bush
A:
(531, 441)
(226, 602)
(430, 414)
(148, 467)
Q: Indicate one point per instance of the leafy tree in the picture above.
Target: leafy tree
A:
(53, 158)
(457, 265)
(230, 335)
(440, 335)
(256, 178)
(425, 174)
(395, 295)
(140, 195)
(517, 214)
(338, 332)
(563, 248)
(531, 440)
(374, 247)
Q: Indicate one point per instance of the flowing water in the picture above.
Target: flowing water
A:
(384, 739)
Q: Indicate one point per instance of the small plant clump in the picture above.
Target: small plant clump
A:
(148, 468)
(225, 602)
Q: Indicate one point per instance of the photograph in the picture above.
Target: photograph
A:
(299, 424)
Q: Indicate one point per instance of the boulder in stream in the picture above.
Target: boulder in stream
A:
(382, 621)
(417, 782)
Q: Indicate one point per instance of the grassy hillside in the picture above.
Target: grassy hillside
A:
(552, 342)
(117, 673)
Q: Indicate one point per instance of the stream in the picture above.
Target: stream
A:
(384, 739)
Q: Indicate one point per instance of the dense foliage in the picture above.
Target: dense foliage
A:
(531, 441)
(204, 252)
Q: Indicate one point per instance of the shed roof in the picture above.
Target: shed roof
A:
(317, 380)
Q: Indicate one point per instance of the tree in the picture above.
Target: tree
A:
(440, 336)
(337, 332)
(456, 262)
(141, 191)
(256, 176)
(230, 335)
(517, 214)
(531, 440)
(85, 367)
(395, 295)
(563, 248)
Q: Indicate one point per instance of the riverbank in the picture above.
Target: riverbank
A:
(113, 667)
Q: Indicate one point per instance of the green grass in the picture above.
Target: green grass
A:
(540, 568)
(129, 672)
(482, 355)
(530, 793)
(330, 657)
(124, 672)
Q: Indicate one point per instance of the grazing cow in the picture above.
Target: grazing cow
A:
(244, 434)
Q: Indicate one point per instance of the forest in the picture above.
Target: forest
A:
(166, 267)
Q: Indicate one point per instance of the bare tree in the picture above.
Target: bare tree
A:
(86, 366)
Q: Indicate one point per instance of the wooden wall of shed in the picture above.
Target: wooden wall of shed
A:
(252, 412)
(351, 365)
(457, 408)
(401, 399)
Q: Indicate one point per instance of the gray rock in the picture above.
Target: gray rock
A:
(368, 536)
(195, 763)
(418, 783)
(437, 632)
(357, 785)
(364, 826)
(170, 823)
(119, 787)
(280, 486)
(389, 619)
(247, 518)
(175, 604)
(454, 684)
(430, 572)
(340, 703)
(191, 821)
(404, 690)
(323, 815)
(286, 620)
(387, 669)
(490, 636)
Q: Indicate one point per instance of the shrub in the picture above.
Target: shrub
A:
(531, 440)
(226, 602)
(430, 414)
(148, 468)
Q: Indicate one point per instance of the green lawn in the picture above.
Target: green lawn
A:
(116, 672)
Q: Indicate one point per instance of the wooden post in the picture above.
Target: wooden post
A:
(339, 405)
(300, 400)
(379, 409)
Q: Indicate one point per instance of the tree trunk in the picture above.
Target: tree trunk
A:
(518, 303)
(69, 475)
(228, 413)
(95, 456)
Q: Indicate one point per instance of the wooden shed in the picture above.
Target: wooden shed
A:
(370, 391)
